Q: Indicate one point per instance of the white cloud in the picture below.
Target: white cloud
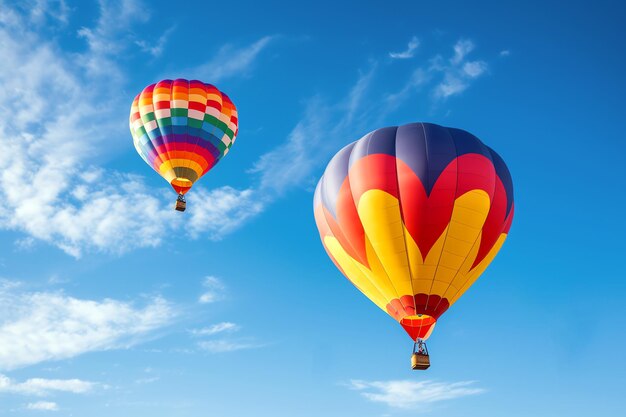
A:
(458, 73)
(314, 139)
(7, 285)
(150, 380)
(408, 394)
(208, 297)
(230, 61)
(155, 48)
(53, 191)
(111, 35)
(217, 212)
(221, 346)
(42, 326)
(63, 109)
(43, 406)
(43, 387)
(409, 52)
(292, 162)
(474, 69)
(505, 52)
(215, 329)
(41, 10)
(353, 105)
(450, 86)
(328, 124)
(392, 101)
(214, 290)
(461, 49)
(66, 109)
(443, 77)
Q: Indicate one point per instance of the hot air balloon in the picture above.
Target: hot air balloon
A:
(182, 129)
(412, 215)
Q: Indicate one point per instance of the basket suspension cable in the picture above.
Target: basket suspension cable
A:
(420, 344)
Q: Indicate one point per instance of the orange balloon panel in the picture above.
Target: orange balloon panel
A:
(412, 215)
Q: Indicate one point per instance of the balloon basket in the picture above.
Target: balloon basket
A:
(420, 359)
(181, 204)
(420, 362)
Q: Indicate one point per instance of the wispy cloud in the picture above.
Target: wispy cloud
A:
(42, 326)
(223, 327)
(505, 52)
(290, 163)
(442, 78)
(230, 61)
(41, 10)
(65, 199)
(474, 69)
(418, 78)
(458, 72)
(111, 35)
(155, 48)
(461, 48)
(148, 380)
(221, 346)
(409, 52)
(217, 212)
(214, 290)
(43, 387)
(43, 406)
(408, 394)
(325, 123)
(53, 95)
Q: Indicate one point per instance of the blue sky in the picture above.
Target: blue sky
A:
(111, 303)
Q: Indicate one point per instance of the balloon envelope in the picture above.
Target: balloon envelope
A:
(182, 129)
(412, 215)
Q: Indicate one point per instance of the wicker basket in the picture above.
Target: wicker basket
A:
(180, 205)
(420, 361)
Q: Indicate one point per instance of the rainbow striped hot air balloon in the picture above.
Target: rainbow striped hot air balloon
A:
(182, 129)
(412, 215)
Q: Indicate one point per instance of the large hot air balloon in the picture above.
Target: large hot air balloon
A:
(182, 129)
(412, 215)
